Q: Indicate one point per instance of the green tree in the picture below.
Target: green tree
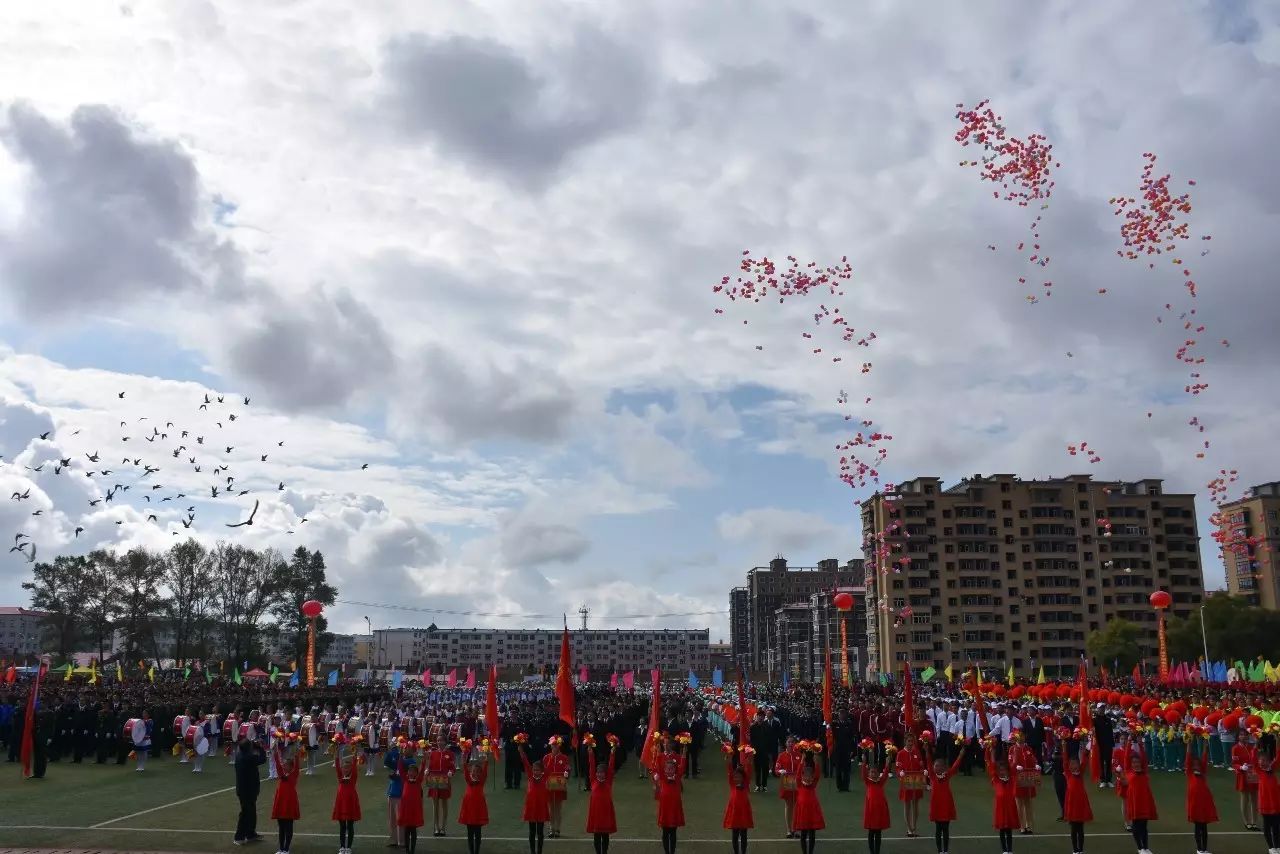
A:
(135, 575)
(303, 579)
(55, 588)
(1233, 629)
(99, 604)
(1118, 643)
(246, 584)
(188, 575)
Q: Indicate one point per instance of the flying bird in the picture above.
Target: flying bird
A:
(248, 521)
(79, 531)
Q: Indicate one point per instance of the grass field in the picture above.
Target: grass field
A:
(169, 808)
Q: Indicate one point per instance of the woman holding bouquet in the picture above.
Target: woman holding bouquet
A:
(737, 813)
(474, 811)
(287, 762)
(808, 813)
(412, 776)
(556, 766)
(1139, 803)
(942, 804)
(909, 765)
(875, 807)
(602, 820)
(1004, 787)
(668, 784)
(346, 801)
(1201, 809)
(537, 801)
(1026, 767)
(440, 769)
(1075, 807)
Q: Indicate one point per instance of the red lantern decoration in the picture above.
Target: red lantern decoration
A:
(843, 601)
(1161, 599)
(311, 609)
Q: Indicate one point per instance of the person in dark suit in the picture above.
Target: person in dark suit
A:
(249, 757)
(512, 769)
(85, 736)
(842, 757)
(1105, 734)
(108, 732)
(698, 731)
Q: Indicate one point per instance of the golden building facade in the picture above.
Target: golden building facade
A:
(1253, 526)
(1009, 572)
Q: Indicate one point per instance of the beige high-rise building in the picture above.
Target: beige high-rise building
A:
(1010, 572)
(1252, 570)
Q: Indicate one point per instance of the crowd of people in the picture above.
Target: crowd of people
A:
(435, 743)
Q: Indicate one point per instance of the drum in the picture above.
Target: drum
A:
(248, 731)
(1028, 779)
(216, 732)
(384, 737)
(180, 724)
(230, 727)
(455, 733)
(194, 739)
(332, 729)
(437, 731)
(135, 731)
(556, 783)
(311, 734)
(420, 728)
(788, 783)
(912, 780)
(254, 716)
(353, 725)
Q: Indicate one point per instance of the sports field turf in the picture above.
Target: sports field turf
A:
(169, 808)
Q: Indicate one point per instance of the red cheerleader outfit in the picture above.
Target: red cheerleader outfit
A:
(875, 808)
(808, 811)
(601, 817)
(1117, 767)
(1075, 807)
(1268, 792)
(474, 809)
(556, 763)
(1022, 756)
(788, 765)
(409, 813)
(1201, 808)
(1139, 803)
(1242, 755)
(537, 803)
(346, 802)
(284, 806)
(440, 763)
(942, 804)
(737, 813)
(670, 798)
(909, 762)
(1004, 814)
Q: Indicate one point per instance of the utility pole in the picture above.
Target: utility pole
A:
(584, 612)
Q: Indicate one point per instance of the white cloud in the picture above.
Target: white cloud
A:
(776, 530)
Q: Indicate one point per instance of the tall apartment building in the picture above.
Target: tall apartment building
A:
(804, 632)
(22, 632)
(602, 651)
(1252, 571)
(753, 608)
(1006, 571)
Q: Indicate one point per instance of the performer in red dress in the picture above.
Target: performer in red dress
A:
(1004, 813)
(942, 804)
(1244, 761)
(1269, 797)
(409, 814)
(1076, 810)
(439, 777)
(557, 767)
(808, 814)
(1202, 811)
(1122, 787)
(346, 802)
(537, 802)
(786, 768)
(1026, 769)
(284, 806)
(909, 766)
(668, 782)
(737, 812)
(1139, 804)
(602, 820)
(474, 811)
(875, 807)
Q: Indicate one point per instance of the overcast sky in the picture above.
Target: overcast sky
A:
(473, 247)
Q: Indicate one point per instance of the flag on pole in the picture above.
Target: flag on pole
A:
(186, 672)
(119, 672)
(564, 686)
(693, 680)
(208, 676)
(29, 724)
(68, 677)
(1040, 680)
(786, 679)
(949, 673)
(235, 676)
(979, 705)
(827, 701)
(151, 673)
(629, 680)
(908, 698)
(93, 672)
(653, 741)
(927, 674)
(293, 680)
(471, 677)
(1010, 677)
(396, 678)
(491, 708)
(275, 671)
(613, 680)
(333, 679)
(717, 678)
(583, 675)
(451, 681)
(744, 720)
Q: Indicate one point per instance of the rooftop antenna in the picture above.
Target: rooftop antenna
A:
(584, 612)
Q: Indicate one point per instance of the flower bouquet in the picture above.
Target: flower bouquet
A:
(613, 740)
(746, 750)
(521, 738)
(684, 738)
(589, 740)
(726, 748)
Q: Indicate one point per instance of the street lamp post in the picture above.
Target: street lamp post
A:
(1204, 637)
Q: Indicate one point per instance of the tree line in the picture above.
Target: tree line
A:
(218, 603)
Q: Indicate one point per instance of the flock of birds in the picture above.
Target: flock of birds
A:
(139, 474)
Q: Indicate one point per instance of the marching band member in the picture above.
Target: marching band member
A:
(144, 748)
(440, 768)
(557, 765)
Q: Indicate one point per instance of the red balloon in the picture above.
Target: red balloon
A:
(1161, 599)
(1212, 718)
(311, 609)
(1171, 716)
(843, 601)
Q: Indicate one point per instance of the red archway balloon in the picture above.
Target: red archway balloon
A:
(311, 609)
(1161, 599)
(843, 601)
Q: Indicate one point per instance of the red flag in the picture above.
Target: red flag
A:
(491, 708)
(451, 680)
(564, 687)
(471, 677)
(29, 724)
(1137, 676)
(744, 723)
(1086, 719)
(655, 722)
(908, 701)
(826, 702)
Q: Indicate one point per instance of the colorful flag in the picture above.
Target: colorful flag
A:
(654, 739)
(93, 672)
(613, 680)
(119, 672)
(1040, 680)
(29, 724)
(717, 678)
(151, 673)
(471, 677)
(786, 679)
(69, 668)
(396, 678)
(629, 680)
(583, 675)
(208, 676)
(235, 676)
(949, 673)
(491, 708)
(927, 674)
(564, 686)
(1010, 676)
(451, 681)
(908, 698)
(693, 680)
(274, 673)
(827, 701)
(186, 673)
(744, 719)
(293, 680)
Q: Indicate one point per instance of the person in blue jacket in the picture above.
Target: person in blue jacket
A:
(395, 787)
